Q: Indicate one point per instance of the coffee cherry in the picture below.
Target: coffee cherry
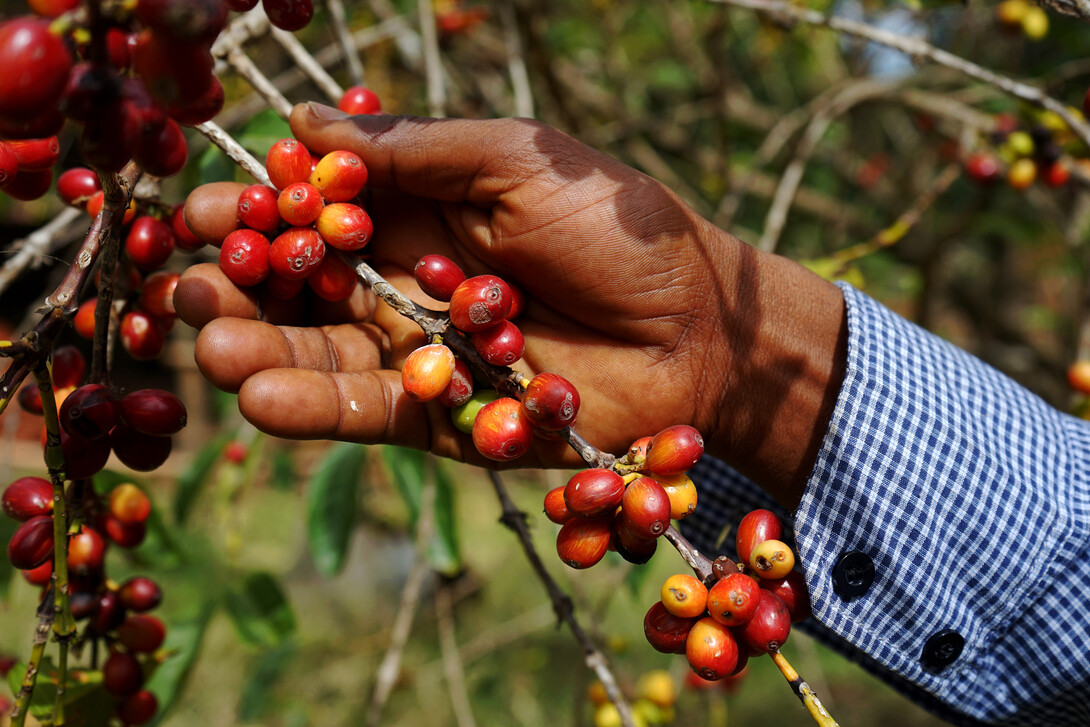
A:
(138, 451)
(84, 458)
(149, 243)
(684, 596)
(281, 288)
(287, 162)
(244, 257)
(257, 208)
(296, 253)
(77, 185)
(184, 238)
(555, 507)
(177, 73)
(1056, 174)
(40, 576)
(202, 109)
(479, 302)
(108, 613)
(9, 165)
(632, 548)
(299, 204)
(35, 155)
(637, 451)
(711, 649)
(438, 276)
(582, 542)
(1078, 376)
(142, 335)
(756, 527)
(30, 399)
(772, 559)
(138, 709)
(666, 632)
(682, 493)
(501, 432)
(983, 168)
(36, 64)
(32, 543)
(645, 508)
(465, 414)
(126, 536)
(235, 452)
(84, 320)
(333, 280)
(86, 551)
(141, 633)
(460, 388)
(90, 411)
(770, 625)
(359, 100)
(339, 176)
(157, 294)
(129, 504)
(345, 226)
(94, 206)
(501, 344)
(550, 402)
(427, 372)
(593, 492)
(28, 497)
(109, 138)
(51, 9)
(1022, 173)
(121, 674)
(290, 15)
(162, 152)
(793, 592)
(28, 185)
(674, 450)
(241, 6)
(140, 594)
(733, 600)
(195, 21)
(153, 411)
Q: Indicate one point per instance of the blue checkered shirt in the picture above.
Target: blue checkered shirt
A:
(971, 497)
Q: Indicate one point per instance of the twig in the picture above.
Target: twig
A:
(516, 61)
(515, 520)
(920, 49)
(345, 41)
(241, 63)
(235, 151)
(433, 65)
(452, 660)
(31, 249)
(308, 64)
(41, 638)
(1077, 8)
(111, 248)
(803, 691)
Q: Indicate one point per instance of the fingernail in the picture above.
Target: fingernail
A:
(326, 113)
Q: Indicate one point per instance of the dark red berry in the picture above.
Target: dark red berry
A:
(756, 527)
(633, 549)
(645, 508)
(9, 165)
(27, 186)
(141, 452)
(68, 366)
(501, 344)
(177, 73)
(90, 411)
(32, 543)
(28, 497)
(334, 280)
(141, 633)
(138, 709)
(140, 594)
(40, 576)
(162, 152)
(241, 6)
(183, 236)
(770, 625)
(30, 399)
(550, 402)
(142, 335)
(666, 632)
(290, 15)
(195, 21)
(36, 64)
(84, 458)
(149, 243)
(108, 614)
(460, 388)
(125, 535)
(593, 492)
(122, 674)
(153, 411)
(110, 137)
(202, 109)
(438, 276)
(793, 592)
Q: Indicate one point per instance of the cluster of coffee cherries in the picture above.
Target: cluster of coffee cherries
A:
(600, 510)
(652, 701)
(1023, 154)
(115, 613)
(314, 203)
(95, 420)
(748, 610)
(483, 308)
(290, 15)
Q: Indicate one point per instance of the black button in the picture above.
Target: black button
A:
(941, 650)
(852, 575)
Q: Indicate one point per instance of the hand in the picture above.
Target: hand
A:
(655, 315)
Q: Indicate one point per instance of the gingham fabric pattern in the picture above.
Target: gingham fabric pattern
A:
(971, 496)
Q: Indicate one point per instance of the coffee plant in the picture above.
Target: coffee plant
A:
(920, 164)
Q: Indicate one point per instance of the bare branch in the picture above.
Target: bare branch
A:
(235, 151)
(452, 659)
(1078, 8)
(308, 64)
(516, 61)
(433, 65)
(238, 60)
(31, 249)
(345, 41)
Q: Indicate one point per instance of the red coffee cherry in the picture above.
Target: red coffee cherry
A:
(682, 493)
(438, 276)
(257, 208)
(140, 594)
(770, 625)
(141, 633)
(359, 100)
(107, 613)
(90, 411)
(518, 302)
(555, 507)
(594, 492)
(40, 576)
(94, 206)
(684, 596)
(645, 508)
(345, 226)
(202, 109)
(142, 335)
(149, 243)
(32, 543)
(296, 253)
(299, 204)
(162, 152)
(501, 432)
(122, 674)
(666, 632)
(339, 176)
(153, 411)
(711, 649)
(138, 709)
(35, 155)
(983, 168)
(756, 527)
(138, 451)
(479, 302)
(77, 185)
(501, 344)
(427, 372)
(290, 15)
(235, 452)
(129, 504)
(157, 294)
(9, 165)
(733, 600)
(28, 497)
(241, 6)
(793, 592)
(27, 186)
(460, 388)
(674, 450)
(84, 458)
(550, 402)
(184, 238)
(244, 257)
(287, 162)
(84, 320)
(86, 551)
(30, 399)
(176, 73)
(582, 542)
(126, 536)
(36, 64)
(333, 280)
(632, 548)
(197, 21)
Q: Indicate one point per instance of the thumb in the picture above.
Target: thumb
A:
(451, 160)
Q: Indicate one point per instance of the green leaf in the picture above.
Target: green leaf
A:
(86, 701)
(106, 480)
(260, 611)
(262, 131)
(443, 552)
(191, 482)
(183, 644)
(265, 672)
(282, 466)
(332, 506)
(407, 469)
(7, 570)
(15, 677)
(214, 166)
